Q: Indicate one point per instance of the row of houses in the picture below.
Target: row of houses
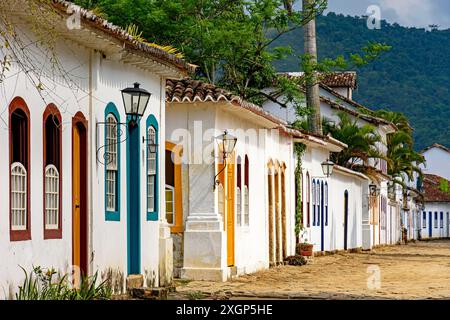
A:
(197, 184)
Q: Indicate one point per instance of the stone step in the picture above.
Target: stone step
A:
(149, 293)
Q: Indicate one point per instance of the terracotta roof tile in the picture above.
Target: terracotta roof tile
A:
(189, 90)
(432, 191)
(117, 32)
(341, 79)
(332, 80)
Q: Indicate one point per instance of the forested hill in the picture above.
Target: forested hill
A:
(413, 77)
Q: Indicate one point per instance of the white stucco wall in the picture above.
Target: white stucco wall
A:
(437, 162)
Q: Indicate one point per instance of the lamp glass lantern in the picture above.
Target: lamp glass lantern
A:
(135, 101)
(327, 167)
(227, 143)
(374, 190)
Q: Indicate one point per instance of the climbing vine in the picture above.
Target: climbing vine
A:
(299, 149)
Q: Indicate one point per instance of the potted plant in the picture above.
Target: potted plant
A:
(305, 249)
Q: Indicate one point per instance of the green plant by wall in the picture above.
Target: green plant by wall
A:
(44, 284)
(299, 149)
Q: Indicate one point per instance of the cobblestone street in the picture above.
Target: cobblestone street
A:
(418, 270)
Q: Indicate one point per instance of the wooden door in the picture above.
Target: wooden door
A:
(79, 195)
(76, 198)
(230, 210)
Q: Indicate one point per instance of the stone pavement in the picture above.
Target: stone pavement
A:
(419, 270)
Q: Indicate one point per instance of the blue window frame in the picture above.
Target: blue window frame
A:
(442, 220)
(319, 201)
(424, 220)
(314, 201)
(326, 203)
(152, 165)
(112, 163)
(435, 220)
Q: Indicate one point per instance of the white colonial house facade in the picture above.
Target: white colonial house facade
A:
(377, 216)
(81, 188)
(238, 218)
(434, 217)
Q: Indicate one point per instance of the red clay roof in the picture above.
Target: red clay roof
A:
(432, 191)
(340, 79)
(189, 90)
(332, 80)
(99, 23)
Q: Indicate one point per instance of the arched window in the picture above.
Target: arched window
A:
(112, 164)
(326, 203)
(151, 171)
(19, 156)
(314, 199)
(319, 201)
(238, 192)
(152, 168)
(246, 193)
(308, 200)
(52, 173)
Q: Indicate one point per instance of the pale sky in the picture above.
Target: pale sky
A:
(410, 13)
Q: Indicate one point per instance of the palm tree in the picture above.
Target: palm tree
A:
(402, 160)
(362, 141)
(310, 61)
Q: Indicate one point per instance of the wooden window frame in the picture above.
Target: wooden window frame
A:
(20, 235)
(246, 193)
(239, 211)
(52, 110)
(177, 150)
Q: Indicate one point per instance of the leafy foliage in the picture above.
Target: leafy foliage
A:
(362, 141)
(403, 161)
(40, 284)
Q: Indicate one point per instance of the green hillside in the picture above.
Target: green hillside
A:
(413, 77)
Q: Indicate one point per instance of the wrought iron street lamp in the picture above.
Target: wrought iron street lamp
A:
(135, 101)
(374, 190)
(227, 143)
(327, 167)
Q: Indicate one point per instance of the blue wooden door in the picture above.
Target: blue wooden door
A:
(430, 225)
(134, 238)
(322, 225)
